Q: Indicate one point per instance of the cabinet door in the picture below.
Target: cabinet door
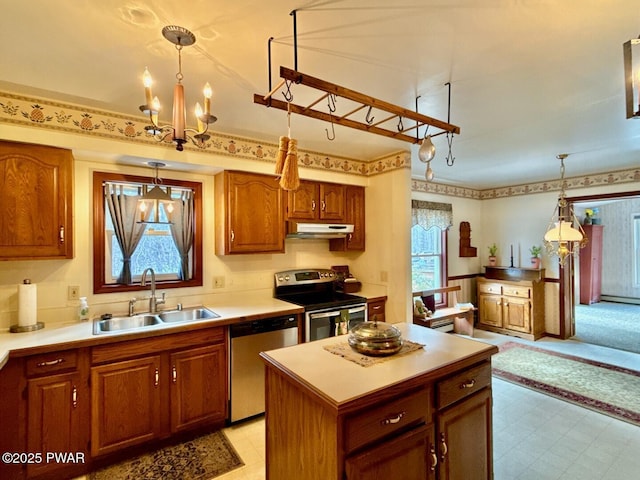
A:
(125, 406)
(303, 203)
(198, 387)
(255, 221)
(36, 203)
(406, 457)
(463, 439)
(490, 310)
(53, 423)
(516, 314)
(332, 202)
(354, 214)
(376, 311)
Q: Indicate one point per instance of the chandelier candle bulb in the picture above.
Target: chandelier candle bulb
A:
(199, 116)
(147, 81)
(207, 100)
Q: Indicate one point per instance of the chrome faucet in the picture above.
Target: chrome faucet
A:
(153, 301)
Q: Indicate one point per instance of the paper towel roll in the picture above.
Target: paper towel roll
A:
(27, 304)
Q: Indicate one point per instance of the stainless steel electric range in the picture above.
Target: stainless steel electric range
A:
(325, 309)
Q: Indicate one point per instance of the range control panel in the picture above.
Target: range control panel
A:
(301, 277)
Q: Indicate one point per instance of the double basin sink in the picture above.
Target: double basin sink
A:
(145, 320)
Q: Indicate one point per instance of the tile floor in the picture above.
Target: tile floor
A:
(535, 436)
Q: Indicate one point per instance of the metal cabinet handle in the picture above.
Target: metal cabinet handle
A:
(313, 205)
(469, 384)
(233, 236)
(174, 374)
(443, 447)
(156, 378)
(61, 234)
(393, 420)
(376, 307)
(324, 205)
(50, 362)
(350, 237)
(74, 397)
(434, 458)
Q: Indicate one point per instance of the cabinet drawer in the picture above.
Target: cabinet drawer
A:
(377, 309)
(376, 422)
(463, 384)
(494, 288)
(515, 291)
(47, 363)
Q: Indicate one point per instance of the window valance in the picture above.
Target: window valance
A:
(431, 214)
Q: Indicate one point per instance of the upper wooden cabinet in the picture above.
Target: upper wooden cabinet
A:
(317, 201)
(355, 211)
(36, 202)
(249, 213)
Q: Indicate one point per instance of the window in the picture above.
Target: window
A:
(429, 247)
(155, 242)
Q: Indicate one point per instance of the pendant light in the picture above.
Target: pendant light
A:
(562, 237)
(427, 149)
(153, 198)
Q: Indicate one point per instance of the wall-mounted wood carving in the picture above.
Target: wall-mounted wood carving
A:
(466, 250)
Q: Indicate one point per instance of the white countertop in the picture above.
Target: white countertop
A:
(342, 380)
(249, 308)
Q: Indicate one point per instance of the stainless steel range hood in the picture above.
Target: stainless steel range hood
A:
(318, 230)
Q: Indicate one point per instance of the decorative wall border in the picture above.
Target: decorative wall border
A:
(608, 178)
(66, 117)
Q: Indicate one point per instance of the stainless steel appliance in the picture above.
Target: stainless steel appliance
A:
(246, 369)
(324, 307)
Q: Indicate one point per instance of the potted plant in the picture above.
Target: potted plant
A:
(493, 249)
(536, 250)
(588, 216)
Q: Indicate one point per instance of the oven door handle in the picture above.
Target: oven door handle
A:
(336, 313)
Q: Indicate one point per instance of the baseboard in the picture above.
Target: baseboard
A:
(611, 298)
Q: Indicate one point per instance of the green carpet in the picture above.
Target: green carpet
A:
(609, 324)
(202, 458)
(599, 386)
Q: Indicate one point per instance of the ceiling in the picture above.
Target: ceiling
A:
(529, 78)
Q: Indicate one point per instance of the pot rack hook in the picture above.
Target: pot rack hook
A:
(450, 158)
(333, 132)
(288, 96)
(369, 119)
(400, 127)
(331, 102)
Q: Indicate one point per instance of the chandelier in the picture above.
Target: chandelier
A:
(562, 237)
(180, 37)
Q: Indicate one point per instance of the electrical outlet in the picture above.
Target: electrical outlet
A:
(73, 292)
(218, 281)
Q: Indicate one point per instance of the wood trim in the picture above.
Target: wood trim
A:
(99, 285)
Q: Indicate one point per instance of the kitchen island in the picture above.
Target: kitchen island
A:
(425, 414)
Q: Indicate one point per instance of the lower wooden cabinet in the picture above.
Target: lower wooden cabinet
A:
(54, 420)
(125, 404)
(405, 457)
(182, 386)
(512, 307)
(376, 310)
(198, 379)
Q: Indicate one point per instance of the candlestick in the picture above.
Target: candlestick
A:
(511, 256)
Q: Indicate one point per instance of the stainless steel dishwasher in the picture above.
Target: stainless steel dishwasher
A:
(246, 368)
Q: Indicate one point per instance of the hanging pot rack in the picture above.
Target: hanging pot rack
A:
(329, 89)
(293, 76)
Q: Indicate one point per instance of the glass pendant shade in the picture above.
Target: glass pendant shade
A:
(427, 150)
(429, 173)
(563, 232)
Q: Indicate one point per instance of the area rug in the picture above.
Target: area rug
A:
(202, 458)
(609, 324)
(599, 386)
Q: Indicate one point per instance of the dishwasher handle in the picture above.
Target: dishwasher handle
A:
(262, 326)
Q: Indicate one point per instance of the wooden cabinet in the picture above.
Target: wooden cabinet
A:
(125, 404)
(354, 214)
(514, 308)
(317, 201)
(57, 409)
(376, 310)
(197, 383)
(174, 383)
(249, 213)
(433, 426)
(36, 202)
(591, 265)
